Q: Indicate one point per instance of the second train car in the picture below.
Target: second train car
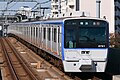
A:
(81, 43)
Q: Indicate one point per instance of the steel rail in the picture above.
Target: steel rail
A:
(10, 66)
(33, 77)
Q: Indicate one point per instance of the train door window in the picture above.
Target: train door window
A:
(44, 33)
(49, 34)
(26, 30)
(21, 28)
(52, 33)
(36, 32)
(31, 31)
(39, 32)
(58, 33)
(55, 31)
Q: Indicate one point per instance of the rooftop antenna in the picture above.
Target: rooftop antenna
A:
(83, 14)
(104, 17)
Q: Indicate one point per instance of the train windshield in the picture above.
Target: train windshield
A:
(92, 37)
(89, 36)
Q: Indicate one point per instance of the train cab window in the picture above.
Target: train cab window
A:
(70, 38)
(86, 34)
(92, 37)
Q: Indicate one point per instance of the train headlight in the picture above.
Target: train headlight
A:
(85, 52)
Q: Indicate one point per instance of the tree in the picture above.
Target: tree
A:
(114, 40)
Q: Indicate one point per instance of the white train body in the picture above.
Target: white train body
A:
(0, 27)
(61, 39)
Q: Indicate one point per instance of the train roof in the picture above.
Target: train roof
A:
(59, 20)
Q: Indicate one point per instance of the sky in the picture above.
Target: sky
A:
(17, 5)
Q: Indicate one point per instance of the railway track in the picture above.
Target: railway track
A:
(17, 68)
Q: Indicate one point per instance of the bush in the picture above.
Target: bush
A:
(114, 40)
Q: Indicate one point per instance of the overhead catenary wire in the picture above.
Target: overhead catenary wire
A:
(13, 5)
(41, 3)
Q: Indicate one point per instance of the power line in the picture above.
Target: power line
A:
(18, 0)
(41, 3)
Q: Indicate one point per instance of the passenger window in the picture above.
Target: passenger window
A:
(27, 30)
(58, 34)
(36, 32)
(31, 31)
(49, 34)
(52, 33)
(44, 34)
(55, 31)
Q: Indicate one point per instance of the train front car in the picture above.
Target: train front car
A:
(85, 45)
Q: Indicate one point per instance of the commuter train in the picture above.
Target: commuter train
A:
(80, 42)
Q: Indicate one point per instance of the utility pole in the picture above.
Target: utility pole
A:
(39, 5)
(6, 12)
(6, 21)
(40, 9)
(59, 6)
